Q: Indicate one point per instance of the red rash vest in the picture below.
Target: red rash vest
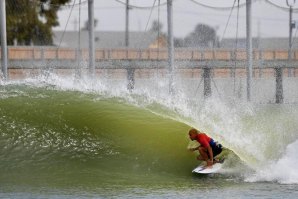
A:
(203, 139)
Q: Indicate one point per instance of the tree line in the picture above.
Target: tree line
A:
(203, 36)
(30, 22)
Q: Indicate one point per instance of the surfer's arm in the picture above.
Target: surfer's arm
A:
(193, 149)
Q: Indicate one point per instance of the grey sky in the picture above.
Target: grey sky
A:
(268, 21)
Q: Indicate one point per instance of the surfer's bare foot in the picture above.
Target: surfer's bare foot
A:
(218, 160)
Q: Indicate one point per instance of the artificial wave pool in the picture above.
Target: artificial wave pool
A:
(65, 138)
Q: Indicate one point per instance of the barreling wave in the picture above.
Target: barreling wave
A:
(58, 125)
(43, 129)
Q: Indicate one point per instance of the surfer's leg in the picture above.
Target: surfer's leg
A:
(200, 157)
(203, 153)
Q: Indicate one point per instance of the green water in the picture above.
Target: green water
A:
(64, 144)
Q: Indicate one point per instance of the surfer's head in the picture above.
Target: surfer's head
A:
(193, 133)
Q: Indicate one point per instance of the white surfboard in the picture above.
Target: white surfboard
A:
(202, 169)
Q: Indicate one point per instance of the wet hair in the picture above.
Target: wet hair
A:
(193, 130)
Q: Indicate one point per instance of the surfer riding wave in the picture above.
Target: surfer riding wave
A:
(208, 148)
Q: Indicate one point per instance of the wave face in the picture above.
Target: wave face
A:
(55, 134)
(64, 131)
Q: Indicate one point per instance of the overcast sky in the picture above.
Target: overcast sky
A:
(268, 20)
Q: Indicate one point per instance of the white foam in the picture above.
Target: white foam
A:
(284, 170)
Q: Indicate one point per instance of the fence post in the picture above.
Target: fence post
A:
(130, 78)
(207, 82)
(279, 86)
(4, 53)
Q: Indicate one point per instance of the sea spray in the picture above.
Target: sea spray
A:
(284, 170)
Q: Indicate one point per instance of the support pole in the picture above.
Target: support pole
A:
(78, 69)
(127, 24)
(291, 26)
(170, 44)
(207, 82)
(3, 39)
(130, 79)
(290, 33)
(91, 38)
(248, 49)
(279, 86)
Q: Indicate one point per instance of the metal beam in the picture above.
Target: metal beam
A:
(207, 82)
(170, 44)
(279, 87)
(291, 26)
(3, 39)
(144, 64)
(127, 24)
(248, 49)
(290, 33)
(91, 37)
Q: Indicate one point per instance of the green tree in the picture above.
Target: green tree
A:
(86, 25)
(156, 26)
(202, 36)
(31, 21)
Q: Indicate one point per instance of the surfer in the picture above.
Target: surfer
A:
(208, 148)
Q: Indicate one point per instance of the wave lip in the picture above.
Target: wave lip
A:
(284, 170)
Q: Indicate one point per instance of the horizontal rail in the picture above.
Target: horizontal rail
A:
(51, 53)
(51, 57)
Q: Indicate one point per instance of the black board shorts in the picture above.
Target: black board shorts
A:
(216, 148)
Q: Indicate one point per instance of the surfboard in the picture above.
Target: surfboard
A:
(202, 169)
